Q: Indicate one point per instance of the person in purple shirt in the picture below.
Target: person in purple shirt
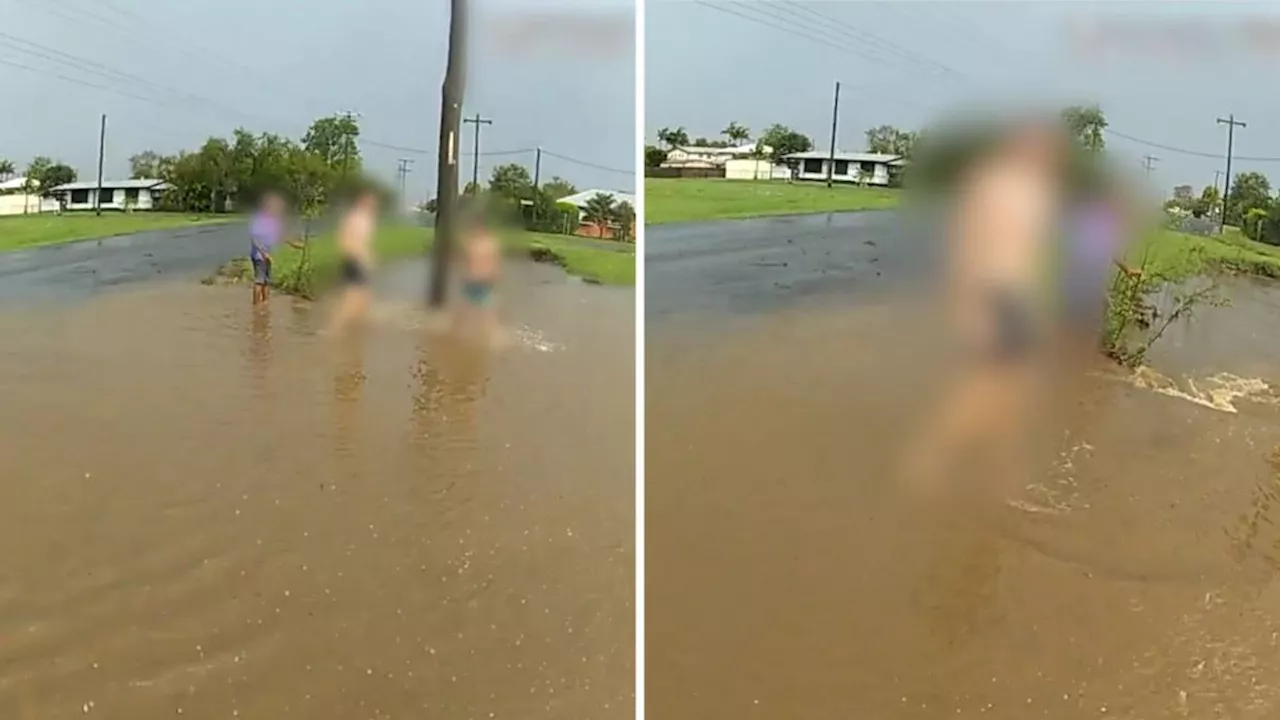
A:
(266, 231)
(1097, 236)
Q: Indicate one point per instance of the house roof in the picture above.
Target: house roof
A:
(848, 156)
(580, 199)
(13, 183)
(713, 150)
(139, 184)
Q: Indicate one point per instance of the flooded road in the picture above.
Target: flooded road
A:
(214, 513)
(789, 576)
(74, 271)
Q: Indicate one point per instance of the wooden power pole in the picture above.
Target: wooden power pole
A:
(102, 151)
(1231, 123)
(835, 119)
(475, 152)
(451, 94)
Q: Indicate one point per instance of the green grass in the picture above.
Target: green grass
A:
(19, 232)
(1178, 256)
(687, 199)
(605, 262)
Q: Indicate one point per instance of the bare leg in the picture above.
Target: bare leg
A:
(351, 309)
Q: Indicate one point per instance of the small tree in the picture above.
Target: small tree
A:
(7, 169)
(736, 133)
(625, 216)
(654, 156)
(599, 211)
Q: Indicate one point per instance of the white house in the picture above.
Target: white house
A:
(753, 169)
(708, 157)
(142, 194)
(579, 200)
(850, 167)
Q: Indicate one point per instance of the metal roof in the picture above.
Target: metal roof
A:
(848, 156)
(139, 184)
(580, 199)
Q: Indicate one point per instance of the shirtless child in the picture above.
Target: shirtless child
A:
(355, 246)
(481, 268)
(1005, 210)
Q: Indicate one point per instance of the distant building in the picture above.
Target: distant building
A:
(753, 169)
(702, 156)
(141, 194)
(588, 229)
(850, 167)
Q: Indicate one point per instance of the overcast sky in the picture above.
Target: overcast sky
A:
(275, 65)
(1164, 72)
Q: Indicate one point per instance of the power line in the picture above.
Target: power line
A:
(811, 38)
(584, 163)
(907, 54)
(1185, 151)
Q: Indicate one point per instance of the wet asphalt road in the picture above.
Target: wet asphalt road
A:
(78, 270)
(746, 266)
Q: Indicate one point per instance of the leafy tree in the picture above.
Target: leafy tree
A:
(673, 138)
(511, 181)
(7, 169)
(784, 141)
(57, 174)
(1086, 123)
(472, 188)
(654, 156)
(889, 140)
(546, 215)
(625, 216)
(736, 133)
(1209, 202)
(708, 142)
(145, 164)
(558, 188)
(1249, 190)
(599, 211)
(333, 138)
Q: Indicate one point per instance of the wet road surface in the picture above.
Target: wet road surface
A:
(751, 265)
(789, 576)
(214, 513)
(74, 271)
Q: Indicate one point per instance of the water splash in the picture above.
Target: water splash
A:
(1217, 392)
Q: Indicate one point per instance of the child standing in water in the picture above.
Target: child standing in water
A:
(355, 247)
(266, 230)
(481, 270)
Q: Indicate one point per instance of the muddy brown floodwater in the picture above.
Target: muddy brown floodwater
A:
(788, 577)
(213, 513)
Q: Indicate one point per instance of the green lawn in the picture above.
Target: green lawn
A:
(605, 262)
(27, 231)
(686, 199)
(1177, 255)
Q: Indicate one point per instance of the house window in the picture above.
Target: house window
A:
(813, 166)
(108, 196)
(867, 168)
(79, 197)
(842, 167)
(131, 195)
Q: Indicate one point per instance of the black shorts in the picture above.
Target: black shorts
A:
(353, 272)
(1015, 327)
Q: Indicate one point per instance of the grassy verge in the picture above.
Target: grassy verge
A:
(19, 232)
(688, 199)
(1177, 256)
(306, 273)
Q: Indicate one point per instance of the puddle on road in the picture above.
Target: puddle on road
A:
(787, 575)
(215, 513)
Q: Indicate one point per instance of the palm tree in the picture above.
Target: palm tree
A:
(7, 169)
(625, 216)
(599, 211)
(673, 138)
(736, 133)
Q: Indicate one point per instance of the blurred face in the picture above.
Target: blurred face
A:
(368, 202)
(273, 204)
(1041, 144)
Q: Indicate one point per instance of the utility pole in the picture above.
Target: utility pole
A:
(537, 172)
(102, 151)
(475, 160)
(402, 174)
(451, 92)
(1148, 163)
(1231, 124)
(835, 117)
(348, 144)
